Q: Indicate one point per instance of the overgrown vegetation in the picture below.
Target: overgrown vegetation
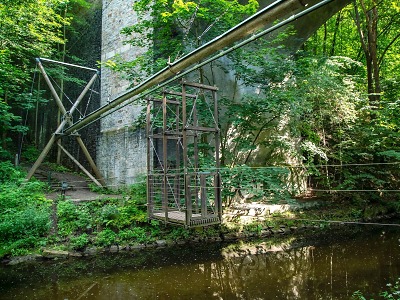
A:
(25, 212)
(392, 292)
(27, 223)
(319, 121)
(322, 118)
(29, 29)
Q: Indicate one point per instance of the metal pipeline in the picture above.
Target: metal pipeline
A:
(268, 15)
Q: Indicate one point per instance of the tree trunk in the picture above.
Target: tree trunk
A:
(337, 23)
(4, 133)
(325, 39)
(369, 45)
(372, 43)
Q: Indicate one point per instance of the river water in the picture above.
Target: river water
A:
(330, 265)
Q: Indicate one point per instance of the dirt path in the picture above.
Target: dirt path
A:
(77, 186)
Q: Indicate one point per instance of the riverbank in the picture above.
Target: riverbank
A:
(37, 226)
(282, 225)
(319, 263)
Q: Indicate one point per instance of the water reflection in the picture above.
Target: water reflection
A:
(330, 266)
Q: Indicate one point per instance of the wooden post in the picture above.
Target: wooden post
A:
(165, 157)
(46, 150)
(196, 156)
(150, 181)
(203, 195)
(177, 156)
(188, 198)
(217, 177)
(51, 87)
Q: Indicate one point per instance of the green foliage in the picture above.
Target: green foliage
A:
(393, 291)
(138, 192)
(155, 228)
(106, 238)
(130, 214)
(136, 234)
(8, 173)
(28, 29)
(25, 212)
(8, 122)
(101, 190)
(79, 242)
(255, 183)
(32, 221)
(372, 137)
(109, 213)
(18, 247)
(174, 28)
(178, 233)
(131, 210)
(358, 295)
(253, 228)
(115, 214)
(30, 153)
(56, 167)
(73, 218)
(289, 119)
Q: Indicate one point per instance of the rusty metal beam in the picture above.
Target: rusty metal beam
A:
(51, 87)
(91, 162)
(80, 166)
(67, 119)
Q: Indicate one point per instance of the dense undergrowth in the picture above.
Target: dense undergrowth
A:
(25, 212)
(30, 222)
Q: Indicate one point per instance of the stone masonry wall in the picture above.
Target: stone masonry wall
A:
(121, 150)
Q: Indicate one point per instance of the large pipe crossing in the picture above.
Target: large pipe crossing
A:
(268, 15)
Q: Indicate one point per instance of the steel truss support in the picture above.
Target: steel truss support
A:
(67, 119)
(183, 179)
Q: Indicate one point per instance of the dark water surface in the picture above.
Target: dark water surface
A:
(329, 266)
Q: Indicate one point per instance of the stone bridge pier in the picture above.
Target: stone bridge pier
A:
(121, 149)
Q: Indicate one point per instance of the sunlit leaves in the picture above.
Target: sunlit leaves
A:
(31, 28)
(297, 96)
(396, 6)
(169, 29)
(28, 29)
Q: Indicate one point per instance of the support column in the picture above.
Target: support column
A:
(67, 119)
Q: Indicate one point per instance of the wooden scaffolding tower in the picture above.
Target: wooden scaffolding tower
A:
(183, 179)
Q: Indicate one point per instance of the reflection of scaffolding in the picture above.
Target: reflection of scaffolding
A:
(183, 156)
